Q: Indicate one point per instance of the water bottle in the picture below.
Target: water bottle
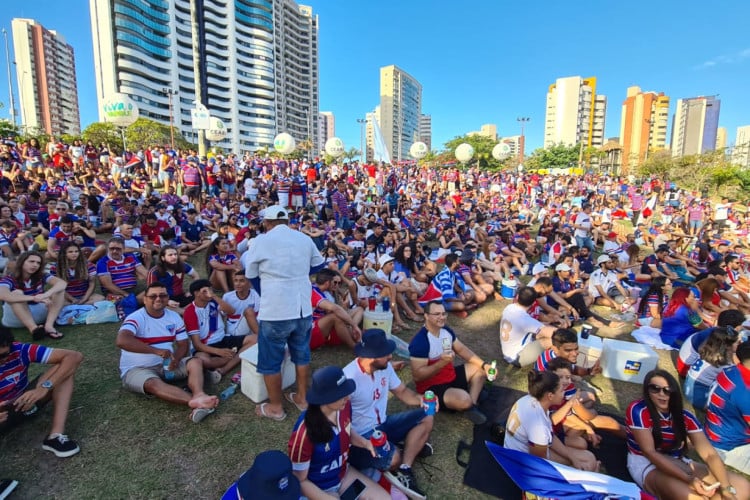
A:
(430, 403)
(380, 442)
(168, 374)
(492, 372)
(228, 392)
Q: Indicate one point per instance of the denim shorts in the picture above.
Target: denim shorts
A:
(395, 427)
(274, 336)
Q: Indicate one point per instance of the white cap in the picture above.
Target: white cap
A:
(385, 259)
(562, 267)
(602, 259)
(539, 268)
(275, 212)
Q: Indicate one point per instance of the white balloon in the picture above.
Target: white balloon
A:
(464, 152)
(501, 151)
(217, 131)
(284, 143)
(418, 150)
(335, 147)
(120, 110)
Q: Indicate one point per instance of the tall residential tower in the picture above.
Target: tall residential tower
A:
(257, 58)
(46, 74)
(643, 126)
(695, 125)
(575, 113)
(400, 111)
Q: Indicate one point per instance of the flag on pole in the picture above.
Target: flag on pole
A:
(556, 481)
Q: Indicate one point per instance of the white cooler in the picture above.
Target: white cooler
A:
(589, 351)
(252, 383)
(627, 361)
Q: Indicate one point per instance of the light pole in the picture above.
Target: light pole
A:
(170, 93)
(362, 155)
(10, 80)
(522, 143)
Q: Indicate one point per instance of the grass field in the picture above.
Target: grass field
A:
(133, 446)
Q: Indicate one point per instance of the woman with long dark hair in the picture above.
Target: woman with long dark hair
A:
(79, 273)
(221, 264)
(320, 441)
(170, 271)
(659, 429)
(716, 353)
(654, 302)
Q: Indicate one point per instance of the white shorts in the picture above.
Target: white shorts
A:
(738, 458)
(38, 312)
(639, 467)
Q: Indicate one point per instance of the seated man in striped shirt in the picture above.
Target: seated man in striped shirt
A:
(119, 274)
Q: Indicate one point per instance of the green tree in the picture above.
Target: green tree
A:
(102, 133)
(482, 150)
(68, 138)
(352, 153)
(7, 129)
(659, 163)
(145, 133)
(557, 156)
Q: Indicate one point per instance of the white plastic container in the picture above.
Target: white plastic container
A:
(378, 319)
(627, 361)
(252, 383)
(589, 351)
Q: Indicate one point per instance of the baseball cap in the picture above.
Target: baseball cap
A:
(270, 477)
(275, 212)
(539, 267)
(612, 234)
(563, 267)
(602, 259)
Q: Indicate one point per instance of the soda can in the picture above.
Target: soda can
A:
(168, 374)
(380, 442)
(430, 403)
(586, 330)
(386, 304)
(579, 284)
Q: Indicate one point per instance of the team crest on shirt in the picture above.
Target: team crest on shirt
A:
(382, 381)
(171, 329)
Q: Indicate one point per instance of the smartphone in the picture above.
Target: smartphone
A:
(354, 491)
(710, 487)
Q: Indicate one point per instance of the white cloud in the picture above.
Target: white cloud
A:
(734, 58)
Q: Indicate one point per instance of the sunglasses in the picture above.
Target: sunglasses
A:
(655, 389)
(336, 282)
(157, 296)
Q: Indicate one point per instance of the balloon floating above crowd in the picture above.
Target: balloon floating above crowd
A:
(120, 110)
(335, 147)
(418, 150)
(501, 151)
(464, 152)
(284, 143)
(217, 131)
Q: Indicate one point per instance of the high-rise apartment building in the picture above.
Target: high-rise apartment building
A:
(46, 75)
(514, 141)
(721, 139)
(488, 130)
(741, 151)
(575, 113)
(258, 63)
(695, 125)
(643, 126)
(400, 110)
(296, 55)
(326, 129)
(425, 130)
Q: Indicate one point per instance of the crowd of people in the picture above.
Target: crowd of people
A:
(295, 253)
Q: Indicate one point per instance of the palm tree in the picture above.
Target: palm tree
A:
(352, 153)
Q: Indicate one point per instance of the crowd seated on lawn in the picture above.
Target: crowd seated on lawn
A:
(79, 228)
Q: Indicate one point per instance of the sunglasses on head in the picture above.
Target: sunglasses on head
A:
(655, 389)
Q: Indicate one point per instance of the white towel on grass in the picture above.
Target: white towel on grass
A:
(650, 336)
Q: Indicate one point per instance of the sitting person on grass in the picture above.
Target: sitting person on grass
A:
(523, 338)
(332, 324)
(155, 349)
(21, 398)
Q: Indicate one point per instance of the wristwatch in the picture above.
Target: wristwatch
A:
(729, 489)
(47, 384)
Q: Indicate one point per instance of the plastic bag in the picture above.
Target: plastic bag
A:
(104, 312)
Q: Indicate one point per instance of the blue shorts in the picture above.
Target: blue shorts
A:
(396, 427)
(274, 336)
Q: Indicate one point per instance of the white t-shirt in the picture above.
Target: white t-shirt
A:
(582, 219)
(234, 321)
(605, 279)
(516, 330)
(160, 333)
(528, 423)
(370, 398)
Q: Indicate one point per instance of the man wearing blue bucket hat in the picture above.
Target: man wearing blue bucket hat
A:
(375, 377)
(270, 478)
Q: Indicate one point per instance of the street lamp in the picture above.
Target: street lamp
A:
(362, 155)
(10, 81)
(522, 143)
(171, 92)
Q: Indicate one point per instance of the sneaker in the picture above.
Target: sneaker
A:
(426, 451)
(214, 376)
(61, 446)
(404, 480)
(6, 487)
(475, 416)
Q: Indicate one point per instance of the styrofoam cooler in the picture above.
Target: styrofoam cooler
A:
(589, 351)
(509, 288)
(378, 319)
(252, 384)
(627, 361)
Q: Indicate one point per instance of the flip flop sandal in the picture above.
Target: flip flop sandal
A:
(290, 398)
(38, 333)
(260, 410)
(54, 334)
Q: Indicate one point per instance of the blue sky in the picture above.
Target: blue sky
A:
(489, 61)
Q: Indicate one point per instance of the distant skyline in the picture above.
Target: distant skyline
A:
(488, 62)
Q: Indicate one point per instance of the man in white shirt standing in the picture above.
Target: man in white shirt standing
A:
(583, 228)
(279, 266)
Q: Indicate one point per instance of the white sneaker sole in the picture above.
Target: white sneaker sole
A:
(61, 454)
